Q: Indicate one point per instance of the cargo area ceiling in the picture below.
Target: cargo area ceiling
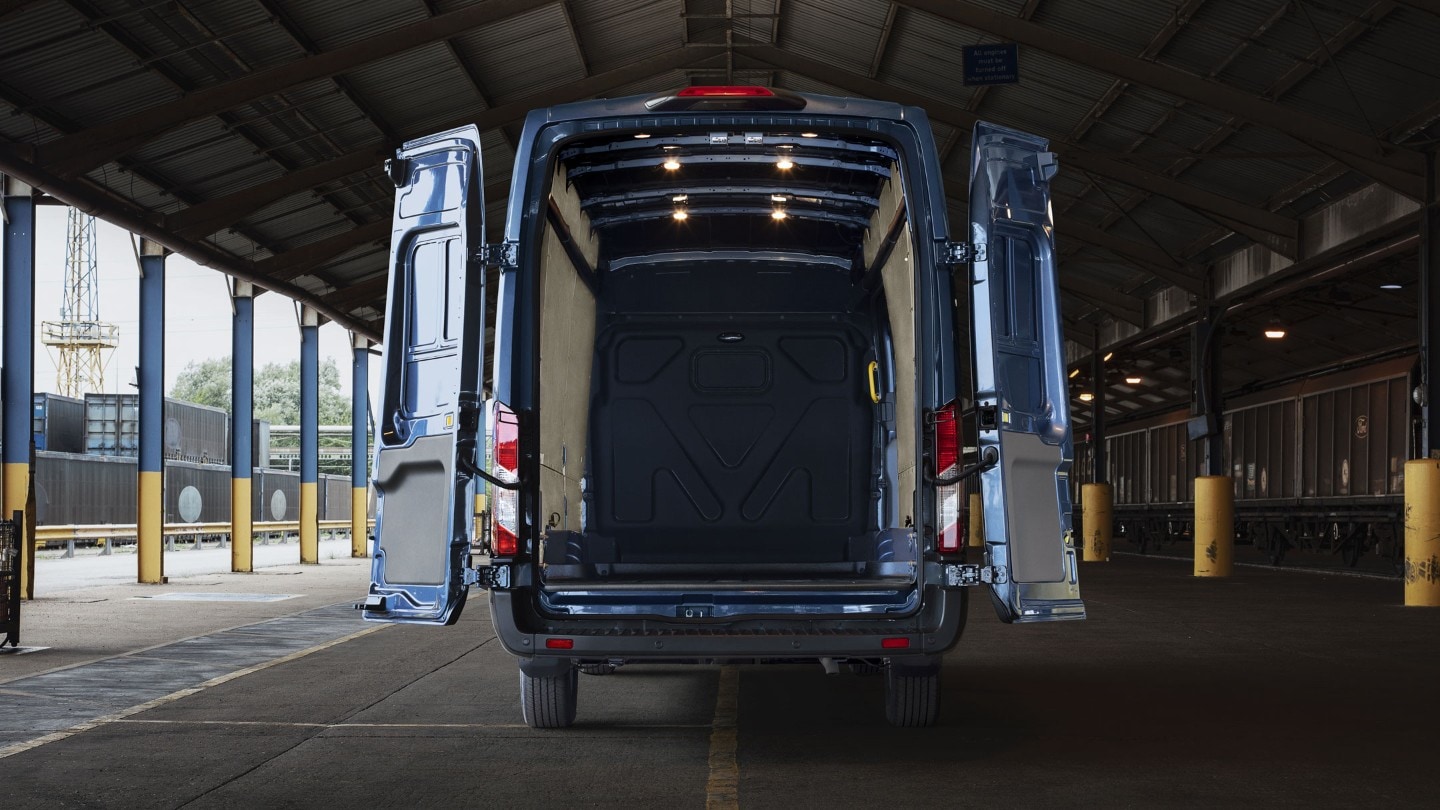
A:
(1206, 146)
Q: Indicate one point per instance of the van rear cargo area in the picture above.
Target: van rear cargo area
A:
(727, 407)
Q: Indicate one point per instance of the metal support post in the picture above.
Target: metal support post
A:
(1430, 315)
(18, 384)
(1096, 498)
(309, 434)
(1206, 404)
(150, 514)
(359, 445)
(242, 450)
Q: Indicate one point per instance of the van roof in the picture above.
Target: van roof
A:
(815, 105)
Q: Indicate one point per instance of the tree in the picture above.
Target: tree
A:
(276, 387)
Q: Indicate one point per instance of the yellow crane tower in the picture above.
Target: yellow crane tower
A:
(80, 338)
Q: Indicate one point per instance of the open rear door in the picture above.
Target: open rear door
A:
(1024, 413)
(426, 428)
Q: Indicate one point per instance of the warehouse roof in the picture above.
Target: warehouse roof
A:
(1224, 150)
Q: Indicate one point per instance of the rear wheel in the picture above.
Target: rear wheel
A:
(912, 694)
(547, 696)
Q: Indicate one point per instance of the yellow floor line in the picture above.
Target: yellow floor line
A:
(17, 748)
(722, 788)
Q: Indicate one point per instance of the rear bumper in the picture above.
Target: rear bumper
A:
(933, 630)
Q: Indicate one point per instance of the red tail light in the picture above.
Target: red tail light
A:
(726, 90)
(951, 535)
(947, 439)
(559, 643)
(505, 465)
(895, 643)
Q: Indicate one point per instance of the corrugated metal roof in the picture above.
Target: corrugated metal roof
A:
(64, 75)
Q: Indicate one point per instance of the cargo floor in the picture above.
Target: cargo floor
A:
(1270, 688)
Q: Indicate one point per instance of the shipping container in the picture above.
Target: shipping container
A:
(196, 493)
(59, 423)
(84, 489)
(112, 424)
(196, 433)
(277, 495)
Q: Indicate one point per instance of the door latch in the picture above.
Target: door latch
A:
(968, 575)
(965, 252)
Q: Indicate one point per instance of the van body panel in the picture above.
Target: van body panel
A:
(725, 450)
(427, 424)
(1020, 381)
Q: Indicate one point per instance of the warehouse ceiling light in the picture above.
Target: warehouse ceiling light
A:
(1274, 330)
(1074, 372)
(1133, 379)
(1086, 396)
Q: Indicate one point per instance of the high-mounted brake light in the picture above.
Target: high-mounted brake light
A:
(726, 91)
(947, 463)
(504, 503)
(726, 97)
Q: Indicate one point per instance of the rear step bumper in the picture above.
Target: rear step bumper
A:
(932, 631)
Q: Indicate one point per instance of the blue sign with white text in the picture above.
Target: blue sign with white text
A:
(992, 64)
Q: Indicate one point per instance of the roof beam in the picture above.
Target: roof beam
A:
(358, 293)
(1127, 308)
(83, 151)
(209, 217)
(1395, 166)
(299, 261)
(1253, 221)
(1432, 6)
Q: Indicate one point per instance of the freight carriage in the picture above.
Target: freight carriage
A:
(1317, 463)
(85, 489)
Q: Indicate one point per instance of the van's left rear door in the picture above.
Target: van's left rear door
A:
(428, 419)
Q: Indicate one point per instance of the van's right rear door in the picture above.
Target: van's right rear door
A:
(1021, 392)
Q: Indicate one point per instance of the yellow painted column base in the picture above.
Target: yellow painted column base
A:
(1097, 521)
(1422, 533)
(359, 523)
(309, 524)
(17, 493)
(150, 529)
(1214, 526)
(242, 527)
(977, 521)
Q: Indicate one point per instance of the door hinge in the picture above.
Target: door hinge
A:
(966, 575)
(502, 255)
(489, 577)
(965, 252)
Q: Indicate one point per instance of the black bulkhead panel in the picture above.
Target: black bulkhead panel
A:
(732, 438)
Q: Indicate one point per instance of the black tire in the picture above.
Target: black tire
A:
(912, 695)
(548, 701)
(598, 669)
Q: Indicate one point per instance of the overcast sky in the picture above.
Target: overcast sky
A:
(197, 311)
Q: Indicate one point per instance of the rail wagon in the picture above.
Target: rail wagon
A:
(1317, 463)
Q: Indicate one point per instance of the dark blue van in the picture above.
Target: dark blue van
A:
(722, 422)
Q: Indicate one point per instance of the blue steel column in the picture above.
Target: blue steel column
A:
(309, 434)
(242, 399)
(359, 446)
(150, 515)
(19, 357)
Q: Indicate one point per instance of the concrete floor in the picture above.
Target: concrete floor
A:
(1272, 688)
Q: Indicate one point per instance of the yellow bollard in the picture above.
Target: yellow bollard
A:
(977, 521)
(1422, 533)
(1214, 526)
(1096, 521)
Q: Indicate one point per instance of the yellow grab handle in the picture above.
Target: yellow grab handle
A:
(875, 382)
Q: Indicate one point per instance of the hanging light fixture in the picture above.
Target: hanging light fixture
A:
(1274, 330)
(1086, 396)
(1133, 379)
